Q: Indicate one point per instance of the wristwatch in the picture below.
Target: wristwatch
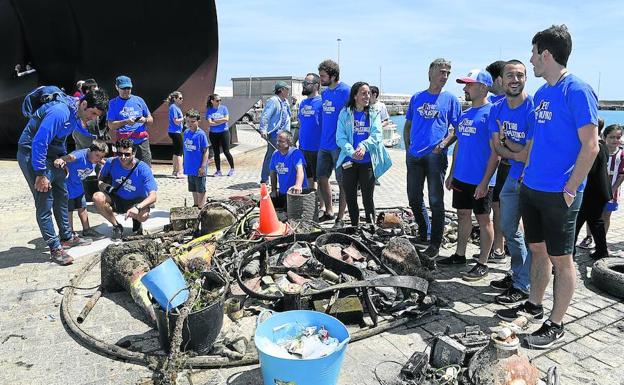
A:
(137, 207)
(502, 141)
(441, 145)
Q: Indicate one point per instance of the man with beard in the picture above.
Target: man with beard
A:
(511, 128)
(310, 116)
(275, 118)
(41, 143)
(426, 134)
(474, 163)
(129, 115)
(127, 186)
(565, 144)
(287, 170)
(334, 97)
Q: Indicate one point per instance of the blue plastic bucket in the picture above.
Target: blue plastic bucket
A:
(318, 371)
(166, 284)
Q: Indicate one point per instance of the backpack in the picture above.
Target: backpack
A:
(41, 98)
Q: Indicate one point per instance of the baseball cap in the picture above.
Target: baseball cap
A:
(477, 76)
(281, 84)
(123, 82)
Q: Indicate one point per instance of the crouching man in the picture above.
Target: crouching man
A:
(287, 170)
(127, 186)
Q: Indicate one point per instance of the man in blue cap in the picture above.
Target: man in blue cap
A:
(473, 166)
(129, 116)
(274, 119)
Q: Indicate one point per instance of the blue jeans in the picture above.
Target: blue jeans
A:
(433, 168)
(264, 176)
(510, 218)
(54, 200)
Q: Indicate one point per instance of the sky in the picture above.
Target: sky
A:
(282, 38)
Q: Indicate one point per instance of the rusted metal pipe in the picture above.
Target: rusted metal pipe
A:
(90, 304)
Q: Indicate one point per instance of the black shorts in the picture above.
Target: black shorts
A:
(77, 203)
(310, 158)
(196, 183)
(547, 218)
(176, 138)
(463, 198)
(121, 206)
(501, 177)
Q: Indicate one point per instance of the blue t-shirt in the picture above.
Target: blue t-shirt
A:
(474, 150)
(195, 143)
(217, 113)
(560, 110)
(175, 113)
(518, 124)
(285, 166)
(361, 131)
(431, 115)
(78, 171)
(133, 107)
(333, 101)
(495, 98)
(140, 183)
(310, 117)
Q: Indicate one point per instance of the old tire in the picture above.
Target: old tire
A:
(608, 275)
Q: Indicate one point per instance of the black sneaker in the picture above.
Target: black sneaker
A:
(511, 296)
(453, 260)
(477, 272)
(61, 257)
(117, 232)
(430, 252)
(502, 284)
(494, 257)
(90, 233)
(534, 312)
(137, 227)
(339, 224)
(545, 336)
(596, 256)
(326, 217)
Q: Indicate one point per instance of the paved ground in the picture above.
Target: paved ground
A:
(35, 348)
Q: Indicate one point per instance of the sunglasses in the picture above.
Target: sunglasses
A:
(217, 100)
(126, 88)
(124, 154)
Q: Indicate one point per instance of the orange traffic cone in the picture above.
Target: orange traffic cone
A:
(269, 224)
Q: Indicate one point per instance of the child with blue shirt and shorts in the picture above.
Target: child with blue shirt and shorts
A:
(78, 166)
(195, 157)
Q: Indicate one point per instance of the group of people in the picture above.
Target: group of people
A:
(526, 157)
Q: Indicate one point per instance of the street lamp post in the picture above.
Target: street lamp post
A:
(338, 41)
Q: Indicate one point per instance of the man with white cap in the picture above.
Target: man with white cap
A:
(274, 119)
(474, 163)
(129, 116)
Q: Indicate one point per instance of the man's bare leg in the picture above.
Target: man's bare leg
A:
(486, 238)
(564, 285)
(464, 228)
(103, 203)
(541, 269)
(325, 194)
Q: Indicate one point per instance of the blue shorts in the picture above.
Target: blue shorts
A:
(80, 202)
(326, 164)
(196, 183)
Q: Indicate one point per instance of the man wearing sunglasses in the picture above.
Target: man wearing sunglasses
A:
(127, 186)
(129, 116)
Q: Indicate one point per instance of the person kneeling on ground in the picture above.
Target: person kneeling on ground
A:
(79, 165)
(131, 190)
(287, 169)
(195, 157)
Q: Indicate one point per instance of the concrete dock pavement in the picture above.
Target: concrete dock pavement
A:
(35, 348)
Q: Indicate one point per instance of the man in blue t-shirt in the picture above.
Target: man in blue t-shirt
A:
(497, 254)
(426, 134)
(473, 166)
(335, 97)
(511, 127)
(287, 170)
(79, 165)
(310, 118)
(195, 157)
(127, 186)
(129, 116)
(41, 143)
(275, 118)
(565, 144)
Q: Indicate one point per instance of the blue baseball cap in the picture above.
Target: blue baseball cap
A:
(123, 82)
(477, 76)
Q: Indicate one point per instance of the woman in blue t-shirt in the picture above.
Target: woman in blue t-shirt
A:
(217, 116)
(362, 155)
(176, 119)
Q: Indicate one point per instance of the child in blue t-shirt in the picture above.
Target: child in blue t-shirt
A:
(79, 165)
(287, 170)
(195, 157)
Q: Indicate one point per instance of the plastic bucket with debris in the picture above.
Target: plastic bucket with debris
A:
(166, 284)
(318, 371)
